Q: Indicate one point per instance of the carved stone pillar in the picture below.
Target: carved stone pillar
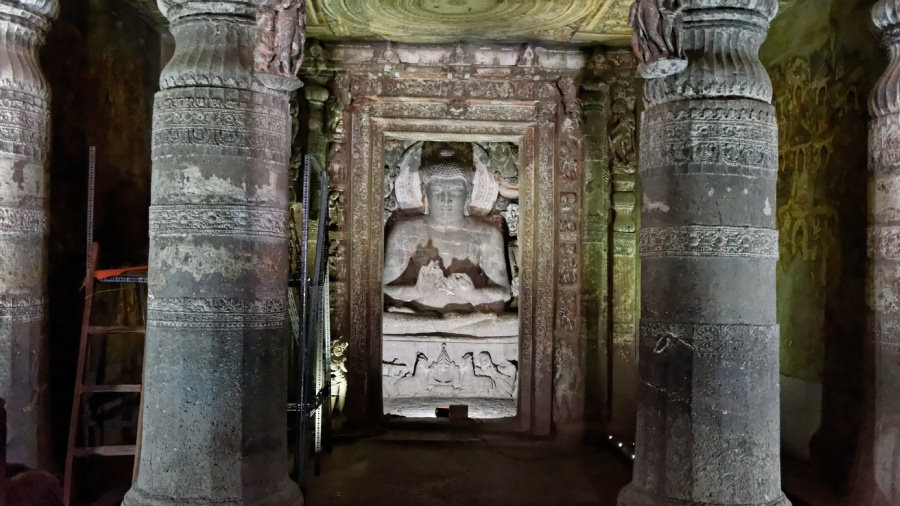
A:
(214, 422)
(24, 142)
(708, 424)
(884, 254)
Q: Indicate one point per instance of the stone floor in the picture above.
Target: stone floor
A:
(437, 469)
(433, 468)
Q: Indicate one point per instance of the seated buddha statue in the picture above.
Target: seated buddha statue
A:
(446, 260)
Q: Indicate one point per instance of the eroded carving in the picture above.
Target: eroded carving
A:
(748, 126)
(566, 309)
(218, 220)
(566, 383)
(22, 309)
(710, 340)
(568, 263)
(657, 37)
(699, 240)
(221, 313)
(280, 35)
(568, 212)
(22, 221)
(236, 122)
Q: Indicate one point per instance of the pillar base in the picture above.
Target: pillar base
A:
(630, 496)
(288, 494)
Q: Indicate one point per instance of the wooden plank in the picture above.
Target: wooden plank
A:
(121, 388)
(79, 374)
(105, 451)
(114, 329)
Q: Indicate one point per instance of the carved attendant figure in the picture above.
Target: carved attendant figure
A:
(281, 32)
(446, 260)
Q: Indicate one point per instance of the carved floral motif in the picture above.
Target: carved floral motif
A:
(243, 122)
(688, 137)
(218, 220)
(22, 220)
(220, 313)
(699, 240)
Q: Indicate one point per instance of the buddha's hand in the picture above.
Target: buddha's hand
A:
(460, 281)
(431, 278)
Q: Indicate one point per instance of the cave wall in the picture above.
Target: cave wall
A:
(823, 60)
(102, 61)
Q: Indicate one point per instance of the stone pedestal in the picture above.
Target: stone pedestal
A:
(214, 422)
(24, 143)
(884, 255)
(708, 424)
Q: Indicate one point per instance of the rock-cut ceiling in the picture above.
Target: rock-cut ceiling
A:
(565, 21)
(581, 21)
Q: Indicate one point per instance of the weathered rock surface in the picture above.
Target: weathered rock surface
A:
(707, 429)
(24, 139)
(214, 421)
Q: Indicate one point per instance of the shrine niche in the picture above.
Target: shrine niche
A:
(509, 119)
(450, 325)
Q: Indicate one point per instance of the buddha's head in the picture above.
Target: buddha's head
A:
(447, 179)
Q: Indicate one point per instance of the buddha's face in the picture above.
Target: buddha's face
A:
(447, 200)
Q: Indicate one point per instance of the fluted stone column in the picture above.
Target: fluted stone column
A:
(884, 254)
(708, 424)
(24, 145)
(214, 422)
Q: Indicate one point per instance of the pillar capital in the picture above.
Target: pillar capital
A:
(721, 40)
(214, 42)
(34, 14)
(177, 9)
(886, 15)
(23, 24)
(885, 99)
(767, 8)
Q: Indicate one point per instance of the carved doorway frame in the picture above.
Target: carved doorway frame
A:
(534, 116)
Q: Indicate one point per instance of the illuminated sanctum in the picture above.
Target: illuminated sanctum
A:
(275, 252)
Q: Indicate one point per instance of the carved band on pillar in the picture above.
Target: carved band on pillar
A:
(884, 255)
(214, 420)
(24, 143)
(708, 424)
